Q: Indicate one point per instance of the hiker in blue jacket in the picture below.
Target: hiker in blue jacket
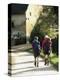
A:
(36, 49)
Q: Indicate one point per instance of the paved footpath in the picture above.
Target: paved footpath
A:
(23, 65)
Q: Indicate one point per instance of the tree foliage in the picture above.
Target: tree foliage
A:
(47, 23)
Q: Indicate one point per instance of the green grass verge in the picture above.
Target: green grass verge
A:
(53, 60)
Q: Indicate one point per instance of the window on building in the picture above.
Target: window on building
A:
(30, 13)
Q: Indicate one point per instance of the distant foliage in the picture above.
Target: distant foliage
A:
(55, 45)
(46, 23)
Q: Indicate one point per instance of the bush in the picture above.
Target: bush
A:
(37, 32)
(55, 45)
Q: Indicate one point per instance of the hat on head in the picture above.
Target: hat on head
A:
(36, 37)
(46, 36)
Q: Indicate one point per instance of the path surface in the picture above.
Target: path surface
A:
(23, 64)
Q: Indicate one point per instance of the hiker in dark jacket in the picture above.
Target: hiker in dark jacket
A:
(36, 49)
(46, 45)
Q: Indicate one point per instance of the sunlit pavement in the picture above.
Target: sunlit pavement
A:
(23, 65)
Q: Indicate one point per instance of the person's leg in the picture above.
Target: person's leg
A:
(46, 58)
(37, 61)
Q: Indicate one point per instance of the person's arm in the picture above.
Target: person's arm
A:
(39, 46)
(50, 45)
(43, 44)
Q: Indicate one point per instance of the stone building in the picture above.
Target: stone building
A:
(18, 17)
(18, 21)
(32, 14)
(24, 17)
